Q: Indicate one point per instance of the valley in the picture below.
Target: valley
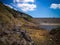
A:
(18, 28)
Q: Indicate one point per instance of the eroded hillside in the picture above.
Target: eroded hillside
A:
(16, 28)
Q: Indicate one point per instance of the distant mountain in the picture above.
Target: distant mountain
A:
(47, 21)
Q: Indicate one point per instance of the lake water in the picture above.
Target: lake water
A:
(49, 27)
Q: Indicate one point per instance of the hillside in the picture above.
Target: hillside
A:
(47, 21)
(17, 28)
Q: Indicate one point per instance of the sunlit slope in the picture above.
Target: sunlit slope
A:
(9, 18)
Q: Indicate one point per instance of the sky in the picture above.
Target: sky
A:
(36, 8)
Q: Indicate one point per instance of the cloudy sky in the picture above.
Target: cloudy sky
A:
(36, 8)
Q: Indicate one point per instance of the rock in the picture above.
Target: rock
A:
(16, 36)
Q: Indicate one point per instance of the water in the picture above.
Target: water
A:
(49, 27)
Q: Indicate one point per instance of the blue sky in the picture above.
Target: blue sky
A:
(36, 8)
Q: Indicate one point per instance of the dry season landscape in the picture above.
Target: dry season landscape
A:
(18, 28)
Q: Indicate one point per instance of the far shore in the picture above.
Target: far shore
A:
(50, 24)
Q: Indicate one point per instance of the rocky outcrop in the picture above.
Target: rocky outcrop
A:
(15, 36)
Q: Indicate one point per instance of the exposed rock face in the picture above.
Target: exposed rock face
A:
(15, 37)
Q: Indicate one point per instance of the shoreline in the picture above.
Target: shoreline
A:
(56, 24)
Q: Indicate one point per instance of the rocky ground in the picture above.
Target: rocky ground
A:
(16, 36)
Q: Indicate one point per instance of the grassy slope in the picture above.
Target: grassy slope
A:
(11, 18)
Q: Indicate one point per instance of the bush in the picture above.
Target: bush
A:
(55, 35)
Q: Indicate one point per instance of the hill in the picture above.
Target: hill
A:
(47, 20)
(17, 28)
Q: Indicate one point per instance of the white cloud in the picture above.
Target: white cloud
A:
(23, 1)
(28, 0)
(8, 5)
(55, 6)
(59, 6)
(16, 1)
(25, 5)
